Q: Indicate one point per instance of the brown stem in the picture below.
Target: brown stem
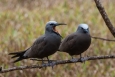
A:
(105, 17)
(57, 62)
(102, 39)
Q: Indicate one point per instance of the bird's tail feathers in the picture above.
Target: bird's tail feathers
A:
(19, 55)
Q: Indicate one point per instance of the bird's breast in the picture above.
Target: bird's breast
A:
(84, 41)
(54, 39)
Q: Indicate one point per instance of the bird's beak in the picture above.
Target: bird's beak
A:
(86, 30)
(54, 28)
(60, 24)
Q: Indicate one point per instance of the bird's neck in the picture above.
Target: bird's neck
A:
(52, 32)
(48, 32)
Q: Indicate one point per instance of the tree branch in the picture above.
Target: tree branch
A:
(57, 62)
(105, 17)
(102, 39)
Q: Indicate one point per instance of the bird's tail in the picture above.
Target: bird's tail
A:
(19, 55)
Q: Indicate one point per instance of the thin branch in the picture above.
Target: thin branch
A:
(105, 17)
(102, 39)
(57, 62)
(35, 59)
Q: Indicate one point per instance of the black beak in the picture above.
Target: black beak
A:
(60, 24)
(86, 30)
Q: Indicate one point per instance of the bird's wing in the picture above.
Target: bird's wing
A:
(68, 42)
(36, 48)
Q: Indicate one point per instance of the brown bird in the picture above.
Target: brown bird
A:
(78, 42)
(44, 46)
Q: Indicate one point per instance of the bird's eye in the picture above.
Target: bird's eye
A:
(51, 24)
(81, 28)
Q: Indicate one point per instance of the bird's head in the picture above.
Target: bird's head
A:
(51, 26)
(83, 28)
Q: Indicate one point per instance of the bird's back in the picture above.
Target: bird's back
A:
(75, 43)
(44, 46)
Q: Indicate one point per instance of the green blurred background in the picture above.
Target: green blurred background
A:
(22, 21)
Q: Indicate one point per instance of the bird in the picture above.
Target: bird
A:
(43, 46)
(77, 42)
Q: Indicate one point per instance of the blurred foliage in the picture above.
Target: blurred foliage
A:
(22, 21)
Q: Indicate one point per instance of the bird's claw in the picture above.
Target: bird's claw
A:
(74, 60)
(51, 63)
(83, 59)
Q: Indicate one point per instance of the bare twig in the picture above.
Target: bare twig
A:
(102, 39)
(105, 17)
(35, 59)
(57, 62)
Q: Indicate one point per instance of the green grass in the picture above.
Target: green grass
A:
(21, 22)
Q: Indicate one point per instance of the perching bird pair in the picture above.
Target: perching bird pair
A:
(46, 45)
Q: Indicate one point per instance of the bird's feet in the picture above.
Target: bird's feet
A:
(74, 60)
(51, 63)
(83, 59)
(43, 63)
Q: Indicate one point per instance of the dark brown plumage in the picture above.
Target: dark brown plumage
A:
(44, 46)
(78, 42)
